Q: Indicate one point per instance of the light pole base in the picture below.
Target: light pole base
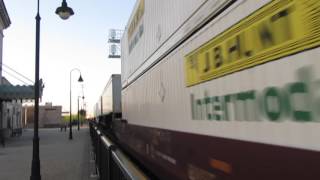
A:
(70, 129)
(35, 170)
(35, 177)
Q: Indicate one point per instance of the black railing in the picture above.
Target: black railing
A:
(111, 162)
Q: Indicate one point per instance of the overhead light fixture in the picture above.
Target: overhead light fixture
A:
(64, 11)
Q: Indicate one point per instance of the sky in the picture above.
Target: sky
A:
(79, 42)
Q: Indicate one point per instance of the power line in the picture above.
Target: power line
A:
(15, 77)
(26, 78)
(18, 73)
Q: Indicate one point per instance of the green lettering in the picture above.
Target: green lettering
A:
(193, 107)
(227, 99)
(207, 104)
(216, 107)
(273, 103)
(298, 88)
(246, 103)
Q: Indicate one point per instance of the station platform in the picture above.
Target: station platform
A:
(60, 158)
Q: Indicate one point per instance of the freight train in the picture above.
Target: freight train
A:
(222, 89)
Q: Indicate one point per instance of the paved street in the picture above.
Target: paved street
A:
(60, 158)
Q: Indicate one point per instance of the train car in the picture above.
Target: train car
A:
(108, 107)
(222, 89)
(97, 110)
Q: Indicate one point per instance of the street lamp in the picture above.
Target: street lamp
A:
(64, 11)
(35, 165)
(79, 80)
(78, 111)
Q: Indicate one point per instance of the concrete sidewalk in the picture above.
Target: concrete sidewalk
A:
(60, 158)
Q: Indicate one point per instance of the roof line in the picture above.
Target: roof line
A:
(4, 15)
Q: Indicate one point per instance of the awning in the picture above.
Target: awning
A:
(10, 92)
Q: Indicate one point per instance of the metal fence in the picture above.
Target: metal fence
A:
(111, 162)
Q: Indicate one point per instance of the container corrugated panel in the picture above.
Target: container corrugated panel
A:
(97, 108)
(116, 93)
(161, 98)
(107, 98)
(162, 25)
(111, 96)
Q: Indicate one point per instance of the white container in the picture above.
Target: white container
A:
(155, 27)
(161, 97)
(97, 108)
(111, 95)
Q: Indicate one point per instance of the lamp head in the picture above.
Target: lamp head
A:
(80, 79)
(64, 11)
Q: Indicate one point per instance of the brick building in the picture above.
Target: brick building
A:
(49, 116)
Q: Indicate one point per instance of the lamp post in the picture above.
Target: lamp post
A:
(79, 80)
(35, 165)
(78, 112)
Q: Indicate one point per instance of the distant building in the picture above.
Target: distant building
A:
(49, 116)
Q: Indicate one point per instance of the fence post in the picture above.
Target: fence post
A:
(111, 163)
